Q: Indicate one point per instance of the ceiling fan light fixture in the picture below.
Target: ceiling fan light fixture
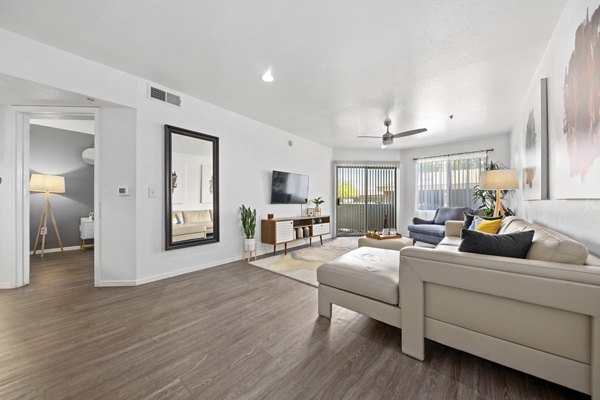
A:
(268, 76)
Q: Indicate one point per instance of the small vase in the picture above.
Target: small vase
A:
(317, 212)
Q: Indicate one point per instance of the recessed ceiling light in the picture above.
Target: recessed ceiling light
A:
(268, 76)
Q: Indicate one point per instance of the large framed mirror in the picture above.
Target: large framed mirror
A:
(191, 188)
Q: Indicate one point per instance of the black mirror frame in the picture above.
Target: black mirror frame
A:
(169, 244)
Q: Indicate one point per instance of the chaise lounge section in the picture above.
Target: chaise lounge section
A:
(539, 315)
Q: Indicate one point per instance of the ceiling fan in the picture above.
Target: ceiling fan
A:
(388, 138)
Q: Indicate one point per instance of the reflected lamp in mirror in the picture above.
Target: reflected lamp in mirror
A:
(191, 188)
(498, 180)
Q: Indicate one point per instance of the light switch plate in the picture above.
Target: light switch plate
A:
(152, 191)
(123, 190)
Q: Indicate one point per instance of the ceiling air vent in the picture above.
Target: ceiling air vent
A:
(164, 96)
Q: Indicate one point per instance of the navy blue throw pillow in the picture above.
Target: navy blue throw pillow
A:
(515, 245)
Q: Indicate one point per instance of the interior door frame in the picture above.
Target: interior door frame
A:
(22, 141)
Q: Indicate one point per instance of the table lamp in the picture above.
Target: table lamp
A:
(498, 180)
(47, 184)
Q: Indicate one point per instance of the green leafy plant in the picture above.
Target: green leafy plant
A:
(248, 221)
(487, 198)
(318, 201)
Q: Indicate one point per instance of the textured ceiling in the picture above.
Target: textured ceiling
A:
(341, 66)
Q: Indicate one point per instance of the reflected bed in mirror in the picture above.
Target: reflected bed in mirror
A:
(191, 188)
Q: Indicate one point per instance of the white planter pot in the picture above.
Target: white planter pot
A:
(249, 244)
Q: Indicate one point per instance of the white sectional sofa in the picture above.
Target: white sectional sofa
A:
(539, 315)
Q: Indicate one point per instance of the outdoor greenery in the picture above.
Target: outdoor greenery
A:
(487, 198)
(248, 221)
(346, 190)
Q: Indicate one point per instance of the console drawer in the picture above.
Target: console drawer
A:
(320, 229)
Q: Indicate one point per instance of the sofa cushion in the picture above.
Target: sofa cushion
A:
(450, 213)
(547, 245)
(515, 245)
(366, 271)
(196, 216)
(434, 230)
(185, 229)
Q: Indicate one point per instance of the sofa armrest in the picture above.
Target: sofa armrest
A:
(544, 269)
(454, 228)
(421, 221)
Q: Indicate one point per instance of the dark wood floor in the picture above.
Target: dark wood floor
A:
(233, 332)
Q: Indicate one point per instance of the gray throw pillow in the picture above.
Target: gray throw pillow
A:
(515, 245)
(450, 213)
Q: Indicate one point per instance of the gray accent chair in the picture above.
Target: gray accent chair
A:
(433, 231)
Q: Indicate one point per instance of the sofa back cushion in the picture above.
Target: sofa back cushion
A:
(547, 245)
(444, 214)
(196, 216)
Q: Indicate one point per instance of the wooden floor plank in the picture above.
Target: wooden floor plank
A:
(232, 332)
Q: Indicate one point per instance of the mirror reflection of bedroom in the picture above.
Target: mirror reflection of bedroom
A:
(191, 188)
(61, 201)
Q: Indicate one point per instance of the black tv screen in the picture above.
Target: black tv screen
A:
(287, 188)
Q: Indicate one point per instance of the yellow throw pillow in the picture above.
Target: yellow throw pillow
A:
(489, 226)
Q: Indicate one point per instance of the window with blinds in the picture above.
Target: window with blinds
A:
(448, 181)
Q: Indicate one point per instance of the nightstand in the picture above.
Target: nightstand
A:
(86, 232)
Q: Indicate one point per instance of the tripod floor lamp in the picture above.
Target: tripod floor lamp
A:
(498, 180)
(47, 184)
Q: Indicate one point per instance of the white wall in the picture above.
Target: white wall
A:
(249, 151)
(8, 217)
(500, 144)
(373, 155)
(131, 154)
(579, 219)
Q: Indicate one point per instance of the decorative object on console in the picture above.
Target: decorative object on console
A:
(248, 217)
(47, 184)
(498, 180)
(310, 212)
(317, 202)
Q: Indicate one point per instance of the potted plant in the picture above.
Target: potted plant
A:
(248, 216)
(317, 202)
(487, 198)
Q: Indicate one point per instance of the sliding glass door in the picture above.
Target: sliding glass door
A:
(365, 195)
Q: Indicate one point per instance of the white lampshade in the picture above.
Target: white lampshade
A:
(47, 183)
(499, 179)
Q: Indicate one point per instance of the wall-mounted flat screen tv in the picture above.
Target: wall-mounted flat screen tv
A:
(288, 188)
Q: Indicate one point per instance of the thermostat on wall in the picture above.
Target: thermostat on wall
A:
(123, 190)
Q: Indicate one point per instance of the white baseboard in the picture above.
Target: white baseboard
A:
(115, 283)
(6, 285)
(171, 274)
(57, 250)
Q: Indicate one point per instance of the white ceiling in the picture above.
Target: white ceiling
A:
(341, 66)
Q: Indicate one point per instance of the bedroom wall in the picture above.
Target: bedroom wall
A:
(500, 143)
(58, 152)
(131, 153)
(578, 218)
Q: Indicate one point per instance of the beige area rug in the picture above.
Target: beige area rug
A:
(302, 264)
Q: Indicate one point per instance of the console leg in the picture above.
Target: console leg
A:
(321, 237)
(285, 248)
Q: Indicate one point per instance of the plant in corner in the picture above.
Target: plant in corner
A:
(248, 216)
(317, 202)
(487, 198)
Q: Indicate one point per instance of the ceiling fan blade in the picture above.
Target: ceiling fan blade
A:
(408, 133)
(370, 137)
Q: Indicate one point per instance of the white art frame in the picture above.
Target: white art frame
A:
(574, 109)
(534, 182)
